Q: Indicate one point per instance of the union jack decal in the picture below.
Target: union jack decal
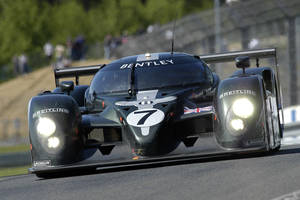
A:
(197, 110)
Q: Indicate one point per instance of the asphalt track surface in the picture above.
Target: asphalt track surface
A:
(275, 176)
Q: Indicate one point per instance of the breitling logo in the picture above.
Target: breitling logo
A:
(51, 110)
(237, 92)
(147, 64)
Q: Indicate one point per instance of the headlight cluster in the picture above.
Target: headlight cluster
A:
(242, 108)
(46, 127)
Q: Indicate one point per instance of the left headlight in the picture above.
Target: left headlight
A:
(45, 126)
(243, 107)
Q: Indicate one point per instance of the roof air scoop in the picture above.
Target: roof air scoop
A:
(66, 86)
(242, 62)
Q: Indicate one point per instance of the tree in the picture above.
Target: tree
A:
(163, 11)
(25, 26)
(21, 24)
(67, 19)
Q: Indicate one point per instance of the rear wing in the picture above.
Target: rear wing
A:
(230, 56)
(76, 72)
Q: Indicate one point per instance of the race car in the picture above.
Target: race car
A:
(154, 104)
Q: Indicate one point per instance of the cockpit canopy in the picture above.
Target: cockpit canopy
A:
(165, 71)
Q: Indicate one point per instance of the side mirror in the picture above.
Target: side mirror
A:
(66, 86)
(242, 62)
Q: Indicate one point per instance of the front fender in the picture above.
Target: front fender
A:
(64, 145)
(236, 96)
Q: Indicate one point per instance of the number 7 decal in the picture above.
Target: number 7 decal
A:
(145, 117)
(147, 114)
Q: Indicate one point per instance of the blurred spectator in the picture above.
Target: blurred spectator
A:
(48, 50)
(69, 45)
(116, 41)
(59, 56)
(15, 61)
(23, 64)
(150, 28)
(107, 46)
(124, 37)
(110, 43)
(78, 48)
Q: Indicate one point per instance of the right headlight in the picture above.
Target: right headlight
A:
(45, 127)
(243, 107)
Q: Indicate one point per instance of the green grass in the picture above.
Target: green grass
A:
(13, 149)
(13, 171)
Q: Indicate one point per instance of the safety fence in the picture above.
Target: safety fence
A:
(13, 130)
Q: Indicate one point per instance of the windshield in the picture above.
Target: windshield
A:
(178, 71)
(176, 75)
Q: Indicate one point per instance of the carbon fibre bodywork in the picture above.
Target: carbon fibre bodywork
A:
(152, 103)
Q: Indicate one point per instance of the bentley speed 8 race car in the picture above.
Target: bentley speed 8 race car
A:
(155, 107)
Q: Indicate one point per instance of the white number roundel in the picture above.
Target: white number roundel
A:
(145, 117)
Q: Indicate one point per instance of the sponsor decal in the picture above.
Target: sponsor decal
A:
(148, 64)
(42, 163)
(237, 92)
(146, 99)
(51, 110)
(197, 110)
(256, 142)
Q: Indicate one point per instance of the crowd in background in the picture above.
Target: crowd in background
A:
(110, 43)
(62, 55)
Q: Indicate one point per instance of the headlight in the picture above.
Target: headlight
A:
(237, 124)
(53, 142)
(243, 108)
(45, 127)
